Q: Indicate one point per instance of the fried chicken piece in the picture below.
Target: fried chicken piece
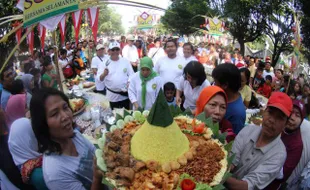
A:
(112, 145)
(116, 137)
(125, 148)
(127, 173)
(139, 166)
(123, 182)
(123, 159)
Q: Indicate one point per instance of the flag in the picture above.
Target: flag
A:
(30, 40)
(77, 17)
(93, 14)
(42, 33)
(62, 29)
(20, 5)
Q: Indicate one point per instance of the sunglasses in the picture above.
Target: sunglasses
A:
(115, 49)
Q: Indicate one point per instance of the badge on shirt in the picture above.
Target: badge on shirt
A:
(154, 86)
(180, 66)
(125, 70)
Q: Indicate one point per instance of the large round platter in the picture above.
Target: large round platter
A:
(204, 164)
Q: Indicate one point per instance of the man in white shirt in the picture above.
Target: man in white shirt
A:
(69, 50)
(115, 74)
(170, 67)
(130, 52)
(156, 52)
(268, 70)
(100, 59)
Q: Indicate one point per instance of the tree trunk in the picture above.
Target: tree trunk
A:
(242, 46)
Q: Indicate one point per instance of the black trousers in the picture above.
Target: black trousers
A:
(121, 104)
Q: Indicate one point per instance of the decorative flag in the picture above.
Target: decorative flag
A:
(93, 14)
(30, 40)
(18, 33)
(52, 23)
(62, 29)
(20, 5)
(42, 33)
(77, 17)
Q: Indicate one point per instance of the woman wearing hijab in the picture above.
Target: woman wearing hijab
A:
(213, 102)
(24, 149)
(9, 173)
(144, 85)
(16, 108)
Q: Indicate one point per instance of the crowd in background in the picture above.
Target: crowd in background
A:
(130, 72)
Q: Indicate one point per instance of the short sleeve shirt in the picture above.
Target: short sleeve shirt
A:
(258, 166)
(246, 93)
(68, 172)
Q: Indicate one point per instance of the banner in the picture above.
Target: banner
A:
(215, 26)
(38, 10)
(145, 21)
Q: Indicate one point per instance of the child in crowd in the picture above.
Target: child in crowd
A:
(258, 79)
(18, 88)
(170, 90)
(49, 78)
(266, 89)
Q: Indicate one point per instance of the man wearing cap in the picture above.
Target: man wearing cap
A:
(115, 73)
(297, 142)
(99, 61)
(130, 52)
(259, 151)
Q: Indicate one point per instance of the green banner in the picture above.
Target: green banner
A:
(38, 10)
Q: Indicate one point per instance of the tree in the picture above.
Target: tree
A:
(109, 22)
(181, 16)
(305, 27)
(246, 20)
(279, 23)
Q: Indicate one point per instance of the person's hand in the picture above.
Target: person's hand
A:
(97, 173)
(178, 101)
(105, 72)
(136, 105)
(134, 63)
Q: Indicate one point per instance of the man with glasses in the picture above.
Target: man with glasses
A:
(130, 52)
(7, 77)
(115, 73)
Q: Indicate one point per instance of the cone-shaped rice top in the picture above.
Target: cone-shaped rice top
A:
(160, 115)
(159, 138)
(161, 144)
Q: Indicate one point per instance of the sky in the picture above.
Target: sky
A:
(128, 13)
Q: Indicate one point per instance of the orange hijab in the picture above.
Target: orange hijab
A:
(205, 95)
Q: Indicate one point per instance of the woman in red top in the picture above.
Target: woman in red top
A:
(213, 102)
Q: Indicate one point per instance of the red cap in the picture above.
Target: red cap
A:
(281, 101)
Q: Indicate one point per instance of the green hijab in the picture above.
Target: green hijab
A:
(146, 62)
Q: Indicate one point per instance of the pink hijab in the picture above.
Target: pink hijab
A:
(15, 108)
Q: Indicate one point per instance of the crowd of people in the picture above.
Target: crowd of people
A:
(42, 148)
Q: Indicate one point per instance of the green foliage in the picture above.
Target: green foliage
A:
(179, 17)
(110, 22)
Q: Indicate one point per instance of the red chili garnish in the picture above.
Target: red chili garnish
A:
(199, 129)
(188, 184)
